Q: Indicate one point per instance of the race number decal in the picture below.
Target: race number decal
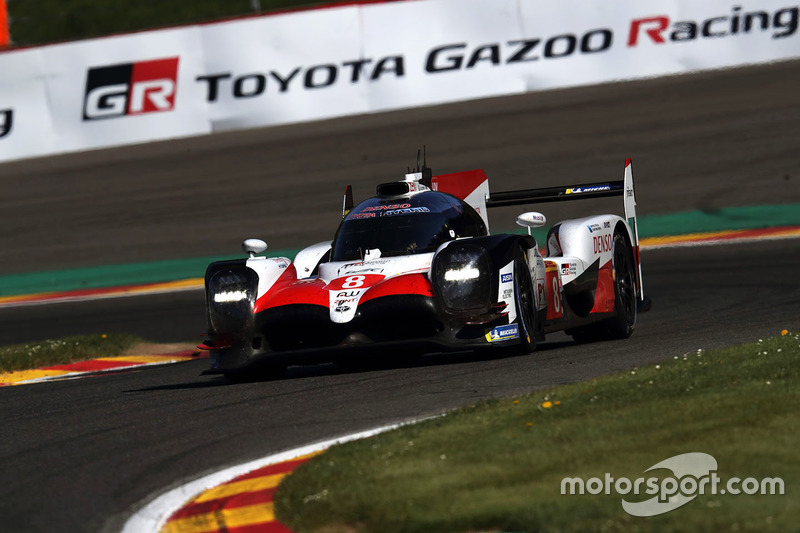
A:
(555, 308)
(353, 282)
(356, 281)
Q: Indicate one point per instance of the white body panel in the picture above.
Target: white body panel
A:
(269, 269)
(584, 241)
(307, 259)
(385, 266)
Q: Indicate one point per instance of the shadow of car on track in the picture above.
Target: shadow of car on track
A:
(395, 360)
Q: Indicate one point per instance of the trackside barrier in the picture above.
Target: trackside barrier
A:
(363, 58)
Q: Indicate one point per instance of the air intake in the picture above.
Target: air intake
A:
(395, 188)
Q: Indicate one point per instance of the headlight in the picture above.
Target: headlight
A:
(461, 277)
(230, 296)
(464, 273)
(230, 293)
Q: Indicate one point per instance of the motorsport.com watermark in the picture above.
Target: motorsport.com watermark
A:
(693, 473)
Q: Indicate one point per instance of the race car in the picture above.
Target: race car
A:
(415, 267)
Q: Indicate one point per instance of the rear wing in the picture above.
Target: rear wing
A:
(473, 187)
(556, 194)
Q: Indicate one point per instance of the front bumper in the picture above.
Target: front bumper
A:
(304, 333)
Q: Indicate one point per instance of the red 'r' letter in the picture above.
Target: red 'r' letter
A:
(658, 25)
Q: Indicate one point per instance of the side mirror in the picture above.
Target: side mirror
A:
(531, 219)
(254, 246)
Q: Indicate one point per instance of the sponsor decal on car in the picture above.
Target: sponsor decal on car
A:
(131, 89)
(503, 333)
(359, 270)
(594, 227)
(406, 211)
(596, 188)
(603, 243)
(506, 278)
(569, 269)
(363, 263)
(347, 294)
(385, 207)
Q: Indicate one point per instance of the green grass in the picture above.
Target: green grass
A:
(46, 21)
(62, 351)
(498, 466)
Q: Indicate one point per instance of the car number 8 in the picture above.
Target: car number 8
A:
(556, 296)
(353, 282)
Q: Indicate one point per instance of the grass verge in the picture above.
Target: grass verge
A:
(62, 351)
(498, 466)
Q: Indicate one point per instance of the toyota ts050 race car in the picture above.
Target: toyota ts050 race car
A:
(415, 266)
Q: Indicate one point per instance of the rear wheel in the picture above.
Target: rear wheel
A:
(524, 302)
(622, 324)
(619, 326)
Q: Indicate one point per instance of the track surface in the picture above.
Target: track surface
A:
(77, 455)
(80, 455)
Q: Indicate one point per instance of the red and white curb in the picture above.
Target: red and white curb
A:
(210, 503)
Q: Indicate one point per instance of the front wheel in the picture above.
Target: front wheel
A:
(524, 303)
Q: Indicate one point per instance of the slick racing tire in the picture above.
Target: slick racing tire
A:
(625, 305)
(524, 303)
(621, 325)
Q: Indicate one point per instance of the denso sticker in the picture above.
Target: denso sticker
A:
(503, 333)
(603, 243)
(386, 207)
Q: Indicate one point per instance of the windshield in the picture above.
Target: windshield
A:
(419, 224)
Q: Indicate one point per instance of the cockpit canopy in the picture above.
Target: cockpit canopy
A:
(416, 224)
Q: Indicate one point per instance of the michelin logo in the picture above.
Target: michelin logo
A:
(503, 333)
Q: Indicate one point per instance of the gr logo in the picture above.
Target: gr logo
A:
(6, 121)
(131, 89)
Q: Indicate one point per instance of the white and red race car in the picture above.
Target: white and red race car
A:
(415, 267)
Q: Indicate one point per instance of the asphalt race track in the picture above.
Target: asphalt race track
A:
(80, 455)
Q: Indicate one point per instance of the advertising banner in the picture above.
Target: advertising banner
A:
(353, 59)
(127, 89)
(284, 68)
(26, 128)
